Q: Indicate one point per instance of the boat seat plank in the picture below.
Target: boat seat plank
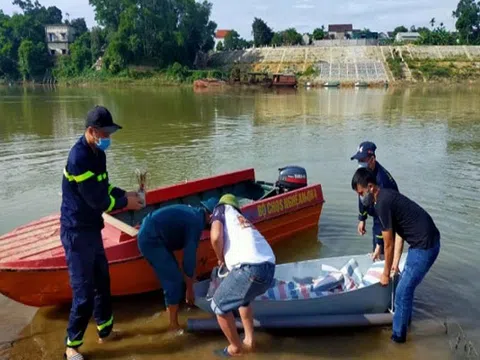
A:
(29, 243)
(48, 244)
(120, 225)
(26, 237)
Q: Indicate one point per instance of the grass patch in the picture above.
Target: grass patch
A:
(311, 71)
(417, 75)
(395, 65)
(433, 71)
(173, 75)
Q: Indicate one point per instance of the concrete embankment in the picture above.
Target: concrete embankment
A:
(350, 64)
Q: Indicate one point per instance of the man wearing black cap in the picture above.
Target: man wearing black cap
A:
(86, 195)
(366, 158)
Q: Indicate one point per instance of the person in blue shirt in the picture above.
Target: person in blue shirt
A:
(366, 158)
(86, 195)
(167, 230)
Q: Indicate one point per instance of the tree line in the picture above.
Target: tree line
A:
(467, 15)
(160, 33)
(148, 32)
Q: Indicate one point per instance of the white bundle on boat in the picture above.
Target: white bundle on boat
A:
(330, 280)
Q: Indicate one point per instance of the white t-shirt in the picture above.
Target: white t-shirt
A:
(242, 242)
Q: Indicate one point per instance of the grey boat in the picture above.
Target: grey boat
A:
(368, 305)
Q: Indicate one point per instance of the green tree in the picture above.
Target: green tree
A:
(262, 33)
(437, 36)
(220, 46)
(277, 39)
(291, 37)
(81, 54)
(98, 41)
(319, 33)
(117, 55)
(156, 31)
(468, 21)
(8, 55)
(232, 41)
(79, 25)
(26, 26)
(31, 59)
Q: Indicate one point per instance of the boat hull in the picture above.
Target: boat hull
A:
(50, 286)
(373, 299)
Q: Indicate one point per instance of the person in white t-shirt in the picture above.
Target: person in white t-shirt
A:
(250, 261)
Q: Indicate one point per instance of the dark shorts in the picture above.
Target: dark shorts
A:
(241, 286)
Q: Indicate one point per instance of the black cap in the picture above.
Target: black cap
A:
(365, 149)
(99, 117)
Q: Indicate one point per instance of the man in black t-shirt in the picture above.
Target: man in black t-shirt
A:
(400, 215)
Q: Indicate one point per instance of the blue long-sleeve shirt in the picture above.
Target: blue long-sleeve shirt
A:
(86, 190)
(384, 181)
(178, 227)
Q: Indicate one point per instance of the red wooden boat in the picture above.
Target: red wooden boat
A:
(32, 261)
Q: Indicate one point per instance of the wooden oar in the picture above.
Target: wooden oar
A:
(130, 230)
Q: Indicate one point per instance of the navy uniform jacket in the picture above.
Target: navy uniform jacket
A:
(86, 191)
(384, 181)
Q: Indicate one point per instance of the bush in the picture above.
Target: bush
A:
(431, 70)
(395, 65)
(310, 71)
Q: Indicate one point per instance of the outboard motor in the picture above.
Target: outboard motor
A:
(291, 178)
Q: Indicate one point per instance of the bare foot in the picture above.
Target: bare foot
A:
(70, 352)
(234, 351)
(248, 346)
(175, 329)
(114, 335)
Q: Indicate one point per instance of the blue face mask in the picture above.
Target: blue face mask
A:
(367, 199)
(363, 165)
(103, 143)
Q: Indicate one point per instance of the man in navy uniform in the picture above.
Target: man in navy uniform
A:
(86, 195)
(366, 158)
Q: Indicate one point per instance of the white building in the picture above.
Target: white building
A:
(340, 31)
(407, 36)
(59, 37)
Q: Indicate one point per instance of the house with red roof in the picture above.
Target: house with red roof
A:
(220, 36)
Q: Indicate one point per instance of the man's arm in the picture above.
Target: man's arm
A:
(190, 251)
(388, 249)
(216, 238)
(190, 261)
(362, 211)
(397, 253)
(384, 212)
(93, 188)
(116, 192)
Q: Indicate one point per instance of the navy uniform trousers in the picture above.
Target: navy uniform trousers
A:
(90, 283)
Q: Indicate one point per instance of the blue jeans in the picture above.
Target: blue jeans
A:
(163, 263)
(90, 283)
(417, 265)
(242, 285)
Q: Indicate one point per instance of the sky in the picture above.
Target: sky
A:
(304, 15)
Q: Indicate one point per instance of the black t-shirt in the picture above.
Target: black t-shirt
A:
(406, 218)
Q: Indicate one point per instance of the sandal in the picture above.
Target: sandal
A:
(221, 353)
(77, 356)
